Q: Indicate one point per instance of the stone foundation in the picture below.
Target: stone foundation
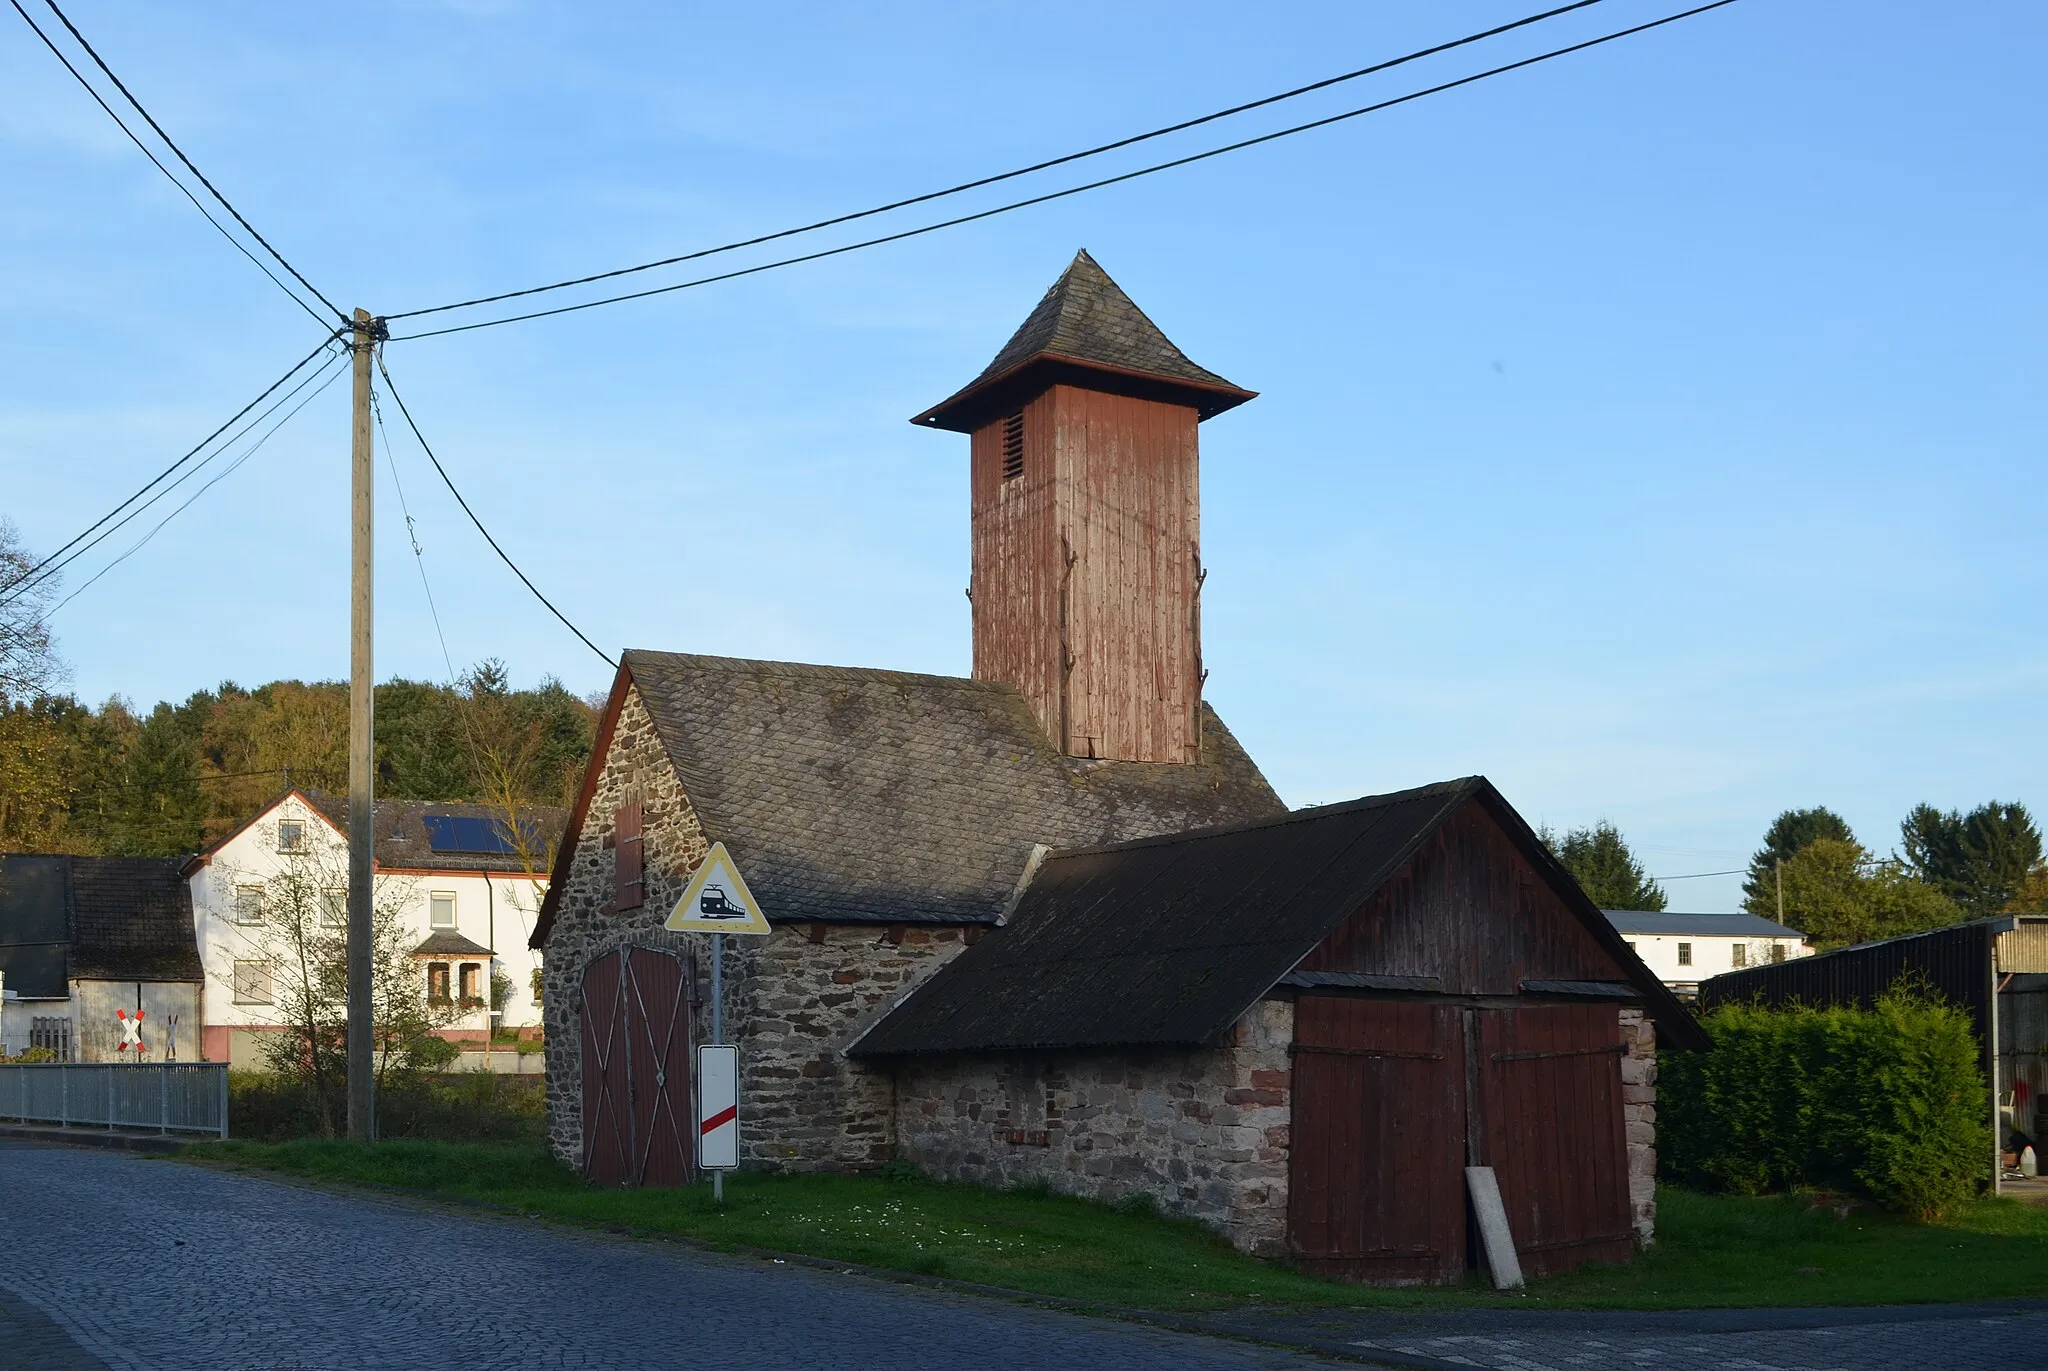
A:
(1639, 1116)
(1204, 1132)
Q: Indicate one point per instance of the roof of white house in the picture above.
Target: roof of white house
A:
(1701, 925)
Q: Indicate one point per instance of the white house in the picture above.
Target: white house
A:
(466, 894)
(1685, 949)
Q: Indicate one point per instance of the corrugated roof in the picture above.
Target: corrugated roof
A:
(1702, 925)
(122, 918)
(1087, 320)
(1168, 941)
(850, 794)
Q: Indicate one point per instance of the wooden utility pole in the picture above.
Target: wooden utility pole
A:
(362, 1079)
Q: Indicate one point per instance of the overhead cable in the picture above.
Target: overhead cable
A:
(57, 560)
(189, 164)
(524, 580)
(1074, 190)
(332, 370)
(1009, 175)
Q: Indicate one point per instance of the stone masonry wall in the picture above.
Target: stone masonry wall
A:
(1203, 1131)
(1639, 1115)
(792, 1000)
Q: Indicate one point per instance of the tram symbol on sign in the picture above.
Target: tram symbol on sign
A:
(717, 900)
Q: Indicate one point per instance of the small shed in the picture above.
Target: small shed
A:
(88, 941)
(1995, 970)
(1303, 1030)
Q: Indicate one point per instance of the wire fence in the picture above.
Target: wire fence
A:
(169, 1097)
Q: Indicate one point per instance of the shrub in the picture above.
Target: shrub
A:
(467, 1107)
(1888, 1101)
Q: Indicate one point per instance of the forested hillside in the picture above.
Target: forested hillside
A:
(114, 780)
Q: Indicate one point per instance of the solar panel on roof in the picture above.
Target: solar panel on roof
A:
(469, 833)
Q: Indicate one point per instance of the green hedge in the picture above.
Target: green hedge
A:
(466, 1107)
(1889, 1102)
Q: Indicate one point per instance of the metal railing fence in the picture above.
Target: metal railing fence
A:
(170, 1097)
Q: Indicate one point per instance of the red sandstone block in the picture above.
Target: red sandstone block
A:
(1272, 1080)
(1242, 1096)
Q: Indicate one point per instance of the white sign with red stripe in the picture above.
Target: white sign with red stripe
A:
(718, 1108)
(131, 1033)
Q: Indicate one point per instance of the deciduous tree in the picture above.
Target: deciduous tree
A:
(1788, 833)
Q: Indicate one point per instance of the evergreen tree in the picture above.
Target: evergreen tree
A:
(1600, 860)
(1788, 833)
(1980, 860)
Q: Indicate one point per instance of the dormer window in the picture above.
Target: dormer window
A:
(291, 835)
(1013, 447)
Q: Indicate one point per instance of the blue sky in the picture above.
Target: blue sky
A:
(1657, 431)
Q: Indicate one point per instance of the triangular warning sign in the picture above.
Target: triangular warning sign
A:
(717, 900)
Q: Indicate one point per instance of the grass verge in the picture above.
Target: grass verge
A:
(1713, 1251)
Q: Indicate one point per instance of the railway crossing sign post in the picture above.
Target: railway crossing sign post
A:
(718, 902)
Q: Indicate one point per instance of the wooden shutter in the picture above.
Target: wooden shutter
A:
(629, 870)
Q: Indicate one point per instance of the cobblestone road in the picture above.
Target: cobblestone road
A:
(156, 1266)
(117, 1262)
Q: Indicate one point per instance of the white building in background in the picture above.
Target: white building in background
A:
(465, 895)
(1685, 949)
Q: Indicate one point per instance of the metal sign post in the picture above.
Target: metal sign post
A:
(718, 902)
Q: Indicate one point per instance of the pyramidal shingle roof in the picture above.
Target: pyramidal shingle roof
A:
(1087, 323)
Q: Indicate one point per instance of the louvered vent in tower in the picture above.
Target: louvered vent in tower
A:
(1013, 447)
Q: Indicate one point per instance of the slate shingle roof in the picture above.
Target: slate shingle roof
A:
(94, 918)
(402, 844)
(1703, 925)
(447, 942)
(1168, 941)
(855, 795)
(1086, 320)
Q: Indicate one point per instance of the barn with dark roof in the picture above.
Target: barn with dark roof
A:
(85, 938)
(1051, 923)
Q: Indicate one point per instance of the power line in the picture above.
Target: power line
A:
(523, 579)
(183, 189)
(1699, 875)
(52, 564)
(1077, 190)
(1011, 175)
(333, 372)
(189, 165)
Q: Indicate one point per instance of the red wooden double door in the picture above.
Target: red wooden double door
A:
(1392, 1100)
(637, 1115)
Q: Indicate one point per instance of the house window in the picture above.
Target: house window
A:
(255, 983)
(334, 907)
(1777, 952)
(1685, 954)
(469, 978)
(1739, 955)
(441, 909)
(248, 904)
(437, 982)
(291, 835)
(1013, 447)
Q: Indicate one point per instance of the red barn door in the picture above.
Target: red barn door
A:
(1550, 1098)
(1376, 1189)
(636, 1069)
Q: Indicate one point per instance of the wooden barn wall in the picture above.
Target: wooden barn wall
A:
(1470, 910)
(1015, 580)
(1131, 510)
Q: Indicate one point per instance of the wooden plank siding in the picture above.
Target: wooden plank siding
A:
(1469, 909)
(1377, 1182)
(1110, 483)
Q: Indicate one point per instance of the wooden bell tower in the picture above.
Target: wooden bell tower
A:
(1086, 508)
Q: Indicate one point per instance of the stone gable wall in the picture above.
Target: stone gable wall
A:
(792, 1000)
(1639, 1116)
(1203, 1131)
